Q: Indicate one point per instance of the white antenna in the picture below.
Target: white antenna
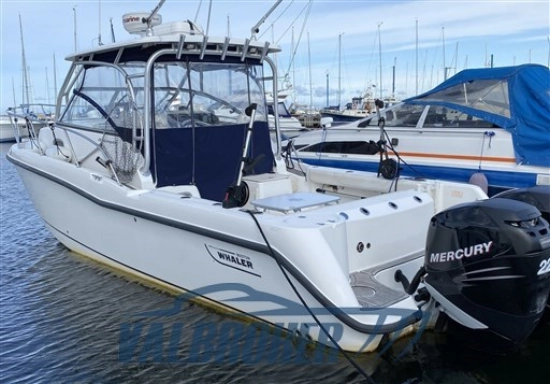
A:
(197, 14)
(149, 21)
(99, 35)
(112, 30)
(208, 19)
(74, 21)
(256, 28)
(228, 26)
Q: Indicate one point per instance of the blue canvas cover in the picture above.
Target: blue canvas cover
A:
(515, 98)
(209, 157)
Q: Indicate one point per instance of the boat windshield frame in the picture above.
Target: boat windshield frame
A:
(143, 107)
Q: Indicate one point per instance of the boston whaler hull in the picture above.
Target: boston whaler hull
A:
(187, 244)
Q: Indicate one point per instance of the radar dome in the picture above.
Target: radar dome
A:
(135, 23)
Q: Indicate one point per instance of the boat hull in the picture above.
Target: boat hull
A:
(426, 154)
(7, 133)
(94, 217)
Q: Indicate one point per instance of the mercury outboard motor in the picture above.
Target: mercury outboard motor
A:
(538, 196)
(487, 264)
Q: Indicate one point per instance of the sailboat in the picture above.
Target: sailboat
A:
(141, 173)
(28, 117)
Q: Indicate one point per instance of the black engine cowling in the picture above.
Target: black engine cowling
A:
(538, 196)
(487, 263)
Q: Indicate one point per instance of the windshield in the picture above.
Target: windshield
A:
(185, 94)
(408, 115)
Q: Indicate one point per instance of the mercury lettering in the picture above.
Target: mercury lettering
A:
(472, 250)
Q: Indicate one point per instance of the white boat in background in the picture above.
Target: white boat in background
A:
(10, 130)
(29, 118)
(359, 108)
(310, 117)
(196, 200)
(490, 126)
(289, 125)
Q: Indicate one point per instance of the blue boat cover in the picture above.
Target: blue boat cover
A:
(209, 156)
(514, 98)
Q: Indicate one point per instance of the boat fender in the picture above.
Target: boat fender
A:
(480, 180)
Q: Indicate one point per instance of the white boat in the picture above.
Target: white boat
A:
(10, 130)
(289, 125)
(481, 123)
(179, 197)
(310, 117)
(27, 118)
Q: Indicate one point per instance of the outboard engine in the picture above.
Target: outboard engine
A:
(487, 264)
(538, 196)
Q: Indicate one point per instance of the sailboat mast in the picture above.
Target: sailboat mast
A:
(54, 79)
(293, 68)
(47, 86)
(327, 102)
(25, 90)
(309, 64)
(444, 65)
(416, 92)
(13, 89)
(339, 70)
(380, 57)
(393, 78)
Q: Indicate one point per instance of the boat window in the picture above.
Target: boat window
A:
(282, 109)
(484, 95)
(402, 115)
(344, 147)
(199, 94)
(100, 100)
(443, 117)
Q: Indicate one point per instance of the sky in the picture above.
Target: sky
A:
(331, 50)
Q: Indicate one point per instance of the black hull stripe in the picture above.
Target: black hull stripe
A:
(414, 317)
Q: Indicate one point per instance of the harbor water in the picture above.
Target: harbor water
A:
(65, 319)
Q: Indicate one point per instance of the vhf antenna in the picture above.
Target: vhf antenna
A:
(149, 19)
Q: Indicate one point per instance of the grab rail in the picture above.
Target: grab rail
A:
(27, 116)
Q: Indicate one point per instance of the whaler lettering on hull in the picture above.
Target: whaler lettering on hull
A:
(232, 259)
(472, 250)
